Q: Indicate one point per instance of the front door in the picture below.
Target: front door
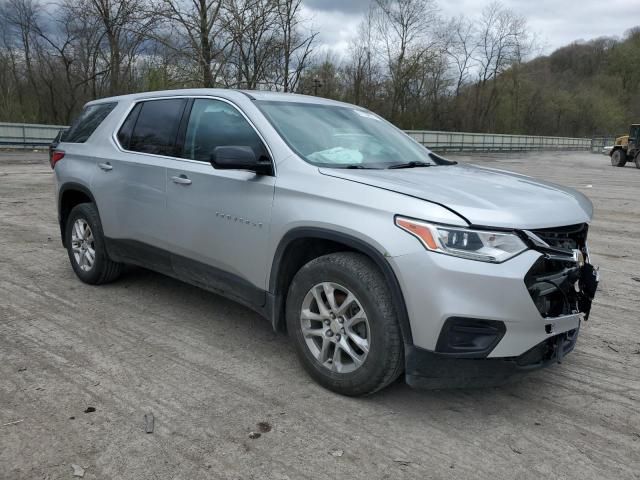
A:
(219, 219)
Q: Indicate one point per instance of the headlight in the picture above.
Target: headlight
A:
(481, 245)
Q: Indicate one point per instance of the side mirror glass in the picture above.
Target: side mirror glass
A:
(240, 158)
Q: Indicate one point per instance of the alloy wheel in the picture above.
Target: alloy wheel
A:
(335, 327)
(82, 245)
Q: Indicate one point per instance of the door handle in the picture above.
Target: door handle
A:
(181, 180)
(105, 166)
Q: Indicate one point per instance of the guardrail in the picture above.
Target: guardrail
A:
(28, 135)
(602, 144)
(483, 142)
(25, 135)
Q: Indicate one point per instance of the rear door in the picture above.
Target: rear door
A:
(219, 220)
(135, 180)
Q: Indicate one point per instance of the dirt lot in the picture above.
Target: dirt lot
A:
(210, 371)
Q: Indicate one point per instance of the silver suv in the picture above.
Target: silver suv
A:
(377, 256)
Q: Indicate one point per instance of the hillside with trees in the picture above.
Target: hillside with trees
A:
(407, 63)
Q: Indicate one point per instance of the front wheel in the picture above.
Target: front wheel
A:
(618, 158)
(344, 325)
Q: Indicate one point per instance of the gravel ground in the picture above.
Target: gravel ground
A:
(212, 372)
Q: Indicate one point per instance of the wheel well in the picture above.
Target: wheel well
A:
(298, 253)
(292, 255)
(68, 200)
(616, 148)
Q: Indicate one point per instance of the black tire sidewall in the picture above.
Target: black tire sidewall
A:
(89, 213)
(379, 312)
(618, 158)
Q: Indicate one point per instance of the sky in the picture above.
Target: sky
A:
(554, 22)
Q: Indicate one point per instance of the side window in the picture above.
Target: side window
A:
(157, 127)
(214, 123)
(90, 119)
(124, 135)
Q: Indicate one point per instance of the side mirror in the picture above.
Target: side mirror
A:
(240, 158)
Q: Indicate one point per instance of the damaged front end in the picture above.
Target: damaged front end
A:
(562, 281)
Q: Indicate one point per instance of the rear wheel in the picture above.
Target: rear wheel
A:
(342, 320)
(637, 160)
(86, 248)
(619, 158)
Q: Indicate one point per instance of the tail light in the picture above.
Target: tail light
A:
(56, 156)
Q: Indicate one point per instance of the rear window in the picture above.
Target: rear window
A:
(90, 119)
(156, 127)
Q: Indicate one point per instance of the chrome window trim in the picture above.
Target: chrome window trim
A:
(114, 135)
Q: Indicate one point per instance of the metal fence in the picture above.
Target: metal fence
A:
(481, 142)
(28, 135)
(602, 144)
(25, 135)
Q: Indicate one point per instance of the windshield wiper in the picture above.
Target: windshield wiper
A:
(410, 165)
(359, 167)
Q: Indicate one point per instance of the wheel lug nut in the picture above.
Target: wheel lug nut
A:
(338, 337)
(342, 331)
(341, 320)
(329, 333)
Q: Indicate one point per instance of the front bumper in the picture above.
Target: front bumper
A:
(431, 370)
(437, 287)
(477, 323)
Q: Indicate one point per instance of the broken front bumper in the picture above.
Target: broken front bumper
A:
(478, 324)
(431, 370)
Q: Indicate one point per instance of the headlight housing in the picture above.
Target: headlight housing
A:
(480, 245)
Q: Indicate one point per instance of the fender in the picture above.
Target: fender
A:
(277, 296)
(64, 188)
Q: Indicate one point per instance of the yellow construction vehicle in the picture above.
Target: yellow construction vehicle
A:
(627, 148)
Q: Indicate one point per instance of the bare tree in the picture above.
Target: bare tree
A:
(20, 18)
(196, 31)
(251, 26)
(126, 25)
(403, 26)
(296, 47)
(461, 46)
(363, 71)
(503, 42)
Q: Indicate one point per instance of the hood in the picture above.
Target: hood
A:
(482, 196)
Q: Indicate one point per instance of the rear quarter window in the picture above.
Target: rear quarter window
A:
(90, 119)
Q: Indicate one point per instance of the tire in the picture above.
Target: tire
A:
(81, 242)
(637, 161)
(368, 318)
(618, 158)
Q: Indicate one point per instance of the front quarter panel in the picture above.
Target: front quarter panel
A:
(305, 198)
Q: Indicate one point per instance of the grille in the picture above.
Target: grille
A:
(568, 238)
(551, 281)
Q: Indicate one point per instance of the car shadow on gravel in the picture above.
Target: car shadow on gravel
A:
(213, 316)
